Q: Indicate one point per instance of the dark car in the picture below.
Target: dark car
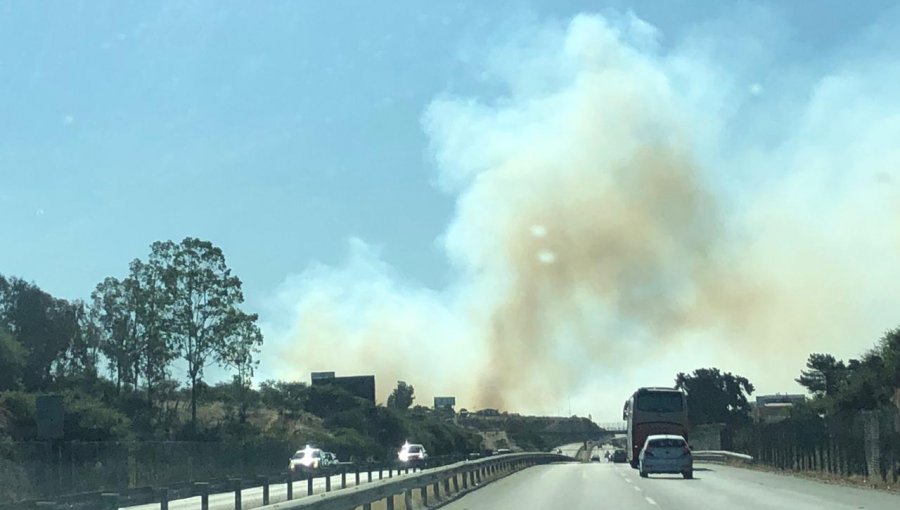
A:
(595, 457)
(619, 456)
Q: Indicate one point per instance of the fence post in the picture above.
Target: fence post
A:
(424, 495)
(109, 500)
(290, 484)
(389, 502)
(264, 480)
(236, 486)
(163, 498)
(407, 499)
(203, 489)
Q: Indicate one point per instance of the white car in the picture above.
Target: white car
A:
(666, 454)
(412, 454)
(311, 459)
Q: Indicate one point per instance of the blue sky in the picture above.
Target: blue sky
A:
(281, 130)
(275, 129)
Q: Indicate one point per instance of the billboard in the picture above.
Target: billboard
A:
(440, 402)
(49, 417)
(318, 376)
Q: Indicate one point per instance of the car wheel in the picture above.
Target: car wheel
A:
(642, 472)
(688, 475)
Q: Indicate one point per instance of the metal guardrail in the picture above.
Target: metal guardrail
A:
(721, 456)
(450, 481)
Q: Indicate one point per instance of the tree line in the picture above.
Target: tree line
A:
(181, 304)
(869, 382)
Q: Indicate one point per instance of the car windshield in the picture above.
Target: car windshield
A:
(550, 229)
(660, 402)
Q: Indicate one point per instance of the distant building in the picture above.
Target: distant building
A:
(362, 386)
(444, 402)
(774, 408)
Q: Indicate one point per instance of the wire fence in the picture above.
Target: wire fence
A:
(47, 470)
(43, 469)
(863, 443)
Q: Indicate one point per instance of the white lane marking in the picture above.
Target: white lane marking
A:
(649, 500)
(636, 488)
(628, 480)
(584, 475)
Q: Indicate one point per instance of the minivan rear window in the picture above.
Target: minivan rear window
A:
(667, 443)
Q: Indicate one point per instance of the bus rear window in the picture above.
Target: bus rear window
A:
(660, 402)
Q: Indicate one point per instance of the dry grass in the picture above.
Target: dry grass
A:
(825, 477)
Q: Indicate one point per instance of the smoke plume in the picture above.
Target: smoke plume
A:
(623, 213)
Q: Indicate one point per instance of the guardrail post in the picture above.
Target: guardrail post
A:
(465, 477)
(455, 484)
(446, 487)
(343, 479)
(389, 502)
(424, 495)
(367, 506)
(109, 501)
(437, 491)
(407, 499)
(163, 495)
(369, 473)
(236, 486)
(203, 489)
(290, 484)
(265, 486)
(391, 472)
(473, 475)
(327, 483)
(357, 476)
(309, 485)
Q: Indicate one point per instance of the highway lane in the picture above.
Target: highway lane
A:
(252, 497)
(577, 486)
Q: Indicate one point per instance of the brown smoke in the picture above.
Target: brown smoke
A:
(588, 235)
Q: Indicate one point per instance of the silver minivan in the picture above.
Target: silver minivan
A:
(666, 454)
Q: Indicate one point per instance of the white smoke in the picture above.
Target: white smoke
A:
(622, 214)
